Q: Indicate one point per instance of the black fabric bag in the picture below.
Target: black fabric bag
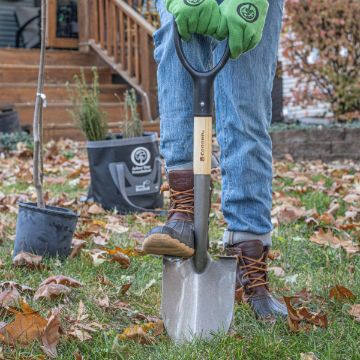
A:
(126, 173)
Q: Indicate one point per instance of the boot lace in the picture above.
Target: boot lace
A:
(254, 266)
(181, 201)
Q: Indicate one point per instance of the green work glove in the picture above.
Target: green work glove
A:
(242, 21)
(194, 16)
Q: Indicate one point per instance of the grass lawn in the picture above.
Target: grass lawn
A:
(308, 197)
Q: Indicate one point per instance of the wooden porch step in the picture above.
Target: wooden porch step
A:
(58, 113)
(52, 57)
(53, 73)
(55, 93)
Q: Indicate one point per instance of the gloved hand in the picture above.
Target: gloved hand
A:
(242, 21)
(194, 16)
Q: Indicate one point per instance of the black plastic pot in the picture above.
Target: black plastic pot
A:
(46, 232)
(9, 120)
(126, 173)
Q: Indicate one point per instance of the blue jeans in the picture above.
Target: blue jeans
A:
(243, 116)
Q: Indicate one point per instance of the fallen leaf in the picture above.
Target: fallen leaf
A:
(117, 228)
(339, 292)
(51, 291)
(120, 257)
(98, 256)
(100, 240)
(274, 254)
(287, 214)
(27, 326)
(140, 333)
(354, 311)
(308, 356)
(124, 288)
(137, 236)
(31, 261)
(240, 296)
(300, 319)
(95, 209)
(51, 334)
(329, 239)
(63, 280)
(77, 245)
(103, 302)
(277, 270)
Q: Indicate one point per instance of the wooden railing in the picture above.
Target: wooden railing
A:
(123, 38)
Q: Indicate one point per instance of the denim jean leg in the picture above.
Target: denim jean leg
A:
(175, 91)
(243, 113)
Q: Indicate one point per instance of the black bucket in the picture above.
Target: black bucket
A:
(9, 121)
(126, 173)
(45, 232)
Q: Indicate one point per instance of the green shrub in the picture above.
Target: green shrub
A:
(322, 44)
(8, 142)
(133, 125)
(86, 111)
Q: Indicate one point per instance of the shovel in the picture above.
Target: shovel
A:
(198, 293)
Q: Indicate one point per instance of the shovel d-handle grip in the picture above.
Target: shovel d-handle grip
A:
(203, 81)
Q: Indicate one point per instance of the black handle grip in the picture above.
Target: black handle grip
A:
(203, 80)
(193, 72)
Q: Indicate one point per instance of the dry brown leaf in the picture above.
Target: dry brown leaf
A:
(51, 291)
(77, 245)
(51, 334)
(301, 319)
(327, 218)
(274, 254)
(31, 261)
(329, 239)
(140, 333)
(339, 292)
(98, 256)
(287, 214)
(124, 288)
(63, 280)
(137, 236)
(354, 311)
(308, 356)
(240, 296)
(100, 240)
(277, 270)
(27, 326)
(95, 209)
(118, 255)
(103, 302)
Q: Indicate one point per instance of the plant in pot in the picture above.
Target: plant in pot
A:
(125, 168)
(40, 229)
(9, 119)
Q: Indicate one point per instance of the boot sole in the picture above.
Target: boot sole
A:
(163, 244)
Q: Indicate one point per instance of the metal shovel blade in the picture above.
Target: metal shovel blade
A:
(197, 305)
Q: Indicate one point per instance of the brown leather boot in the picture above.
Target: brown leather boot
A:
(251, 275)
(176, 237)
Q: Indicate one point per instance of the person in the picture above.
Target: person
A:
(242, 92)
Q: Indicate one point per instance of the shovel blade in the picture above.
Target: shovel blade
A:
(197, 305)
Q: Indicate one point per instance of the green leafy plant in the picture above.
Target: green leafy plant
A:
(9, 142)
(86, 111)
(322, 44)
(133, 125)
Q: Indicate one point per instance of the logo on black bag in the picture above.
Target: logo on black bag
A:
(249, 12)
(193, 2)
(140, 157)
